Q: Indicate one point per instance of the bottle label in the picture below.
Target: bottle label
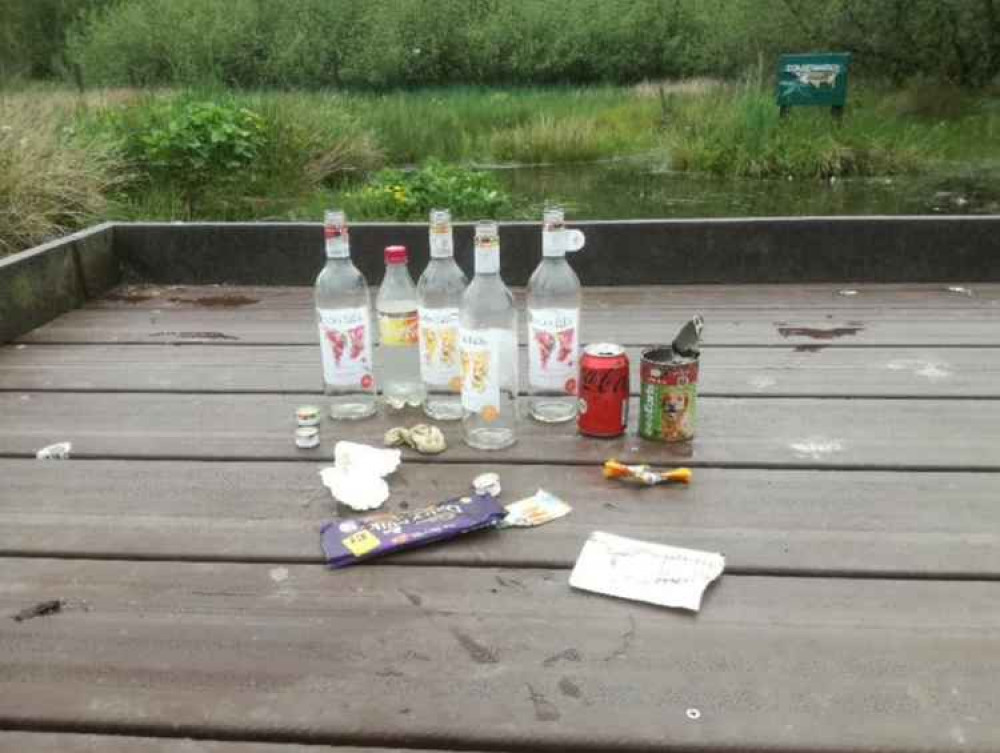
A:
(398, 330)
(479, 353)
(552, 349)
(439, 365)
(345, 342)
(441, 242)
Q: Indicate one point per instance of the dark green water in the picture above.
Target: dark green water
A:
(630, 190)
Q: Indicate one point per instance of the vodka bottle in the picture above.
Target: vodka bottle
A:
(399, 354)
(439, 292)
(343, 315)
(553, 302)
(488, 350)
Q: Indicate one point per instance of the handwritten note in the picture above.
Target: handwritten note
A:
(629, 569)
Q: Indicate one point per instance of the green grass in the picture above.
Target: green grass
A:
(68, 159)
(736, 131)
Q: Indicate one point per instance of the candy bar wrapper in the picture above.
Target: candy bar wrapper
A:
(352, 540)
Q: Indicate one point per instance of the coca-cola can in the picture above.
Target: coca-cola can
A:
(603, 391)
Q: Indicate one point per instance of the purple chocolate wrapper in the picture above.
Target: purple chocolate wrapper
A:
(351, 540)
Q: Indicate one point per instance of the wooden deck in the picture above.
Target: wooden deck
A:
(847, 465)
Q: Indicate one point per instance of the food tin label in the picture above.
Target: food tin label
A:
(398, 330)
(668, 402)
(439, 363)
(552, 349)
(345, 342)
(479, 351)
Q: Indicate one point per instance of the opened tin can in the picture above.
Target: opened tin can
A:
(668, 398)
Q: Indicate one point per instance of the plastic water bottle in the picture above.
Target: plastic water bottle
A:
(488, 350)
(399, 352)
(343, 315)
(553, 302)
(439, 292)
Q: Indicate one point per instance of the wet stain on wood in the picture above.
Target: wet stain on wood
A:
(809, 348)
(545, 710)
(196, 335)
(479, 653)
(569, 688)
(414, 599)
(817, 333)
(570, 654)
(40, 609)
(217, 301)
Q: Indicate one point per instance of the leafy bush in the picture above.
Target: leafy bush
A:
(231, 156)
(382, 44)
(195, 145)
(410, 195)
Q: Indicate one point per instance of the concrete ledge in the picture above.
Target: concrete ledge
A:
(766, 250)
(41, 283)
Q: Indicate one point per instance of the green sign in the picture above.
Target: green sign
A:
(813, 80)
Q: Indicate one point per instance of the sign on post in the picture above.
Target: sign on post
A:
(819, 79)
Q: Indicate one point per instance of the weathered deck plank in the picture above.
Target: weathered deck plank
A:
(791, 522)
(506, 658)
(846, 296)
(806, 371)
(633, 316)
(769, 432)
(46, 742)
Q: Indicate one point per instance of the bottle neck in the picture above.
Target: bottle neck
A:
(487, 261)
(442, 244)
(554, 244)
(338, 247)
(396, 272)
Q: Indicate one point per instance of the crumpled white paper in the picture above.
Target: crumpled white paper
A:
(665, 575)
(59, 451)
(356, 478)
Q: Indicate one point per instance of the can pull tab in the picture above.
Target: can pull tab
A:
(689, 338)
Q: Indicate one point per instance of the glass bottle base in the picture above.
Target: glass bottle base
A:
(552, 411)
(490, 439)
(351, 410)
(443, 410)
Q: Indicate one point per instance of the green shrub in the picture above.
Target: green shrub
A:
(232, 156)
(411, 194)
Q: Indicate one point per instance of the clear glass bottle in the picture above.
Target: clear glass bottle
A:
(488, 350)
(343, 316)
(399, 343)
(439, 292)
(553, 303)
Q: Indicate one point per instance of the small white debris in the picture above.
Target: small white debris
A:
(959, 289)
(847, 292)
(694, 714)
(487, 483)
(761, 382)
(356, 476)
(817, 449)
(279, 574)
(22, 346)
(58, 451)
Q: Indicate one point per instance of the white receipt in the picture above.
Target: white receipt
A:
(665, 575)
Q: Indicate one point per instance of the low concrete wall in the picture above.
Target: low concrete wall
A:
(40, 284)
(767, 250)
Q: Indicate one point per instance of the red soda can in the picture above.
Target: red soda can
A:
(603, 391)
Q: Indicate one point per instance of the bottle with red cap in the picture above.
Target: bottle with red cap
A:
(343, 315)
(399, 354)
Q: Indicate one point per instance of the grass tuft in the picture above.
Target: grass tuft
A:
(51, 182)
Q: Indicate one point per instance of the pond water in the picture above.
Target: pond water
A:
(626, 190)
